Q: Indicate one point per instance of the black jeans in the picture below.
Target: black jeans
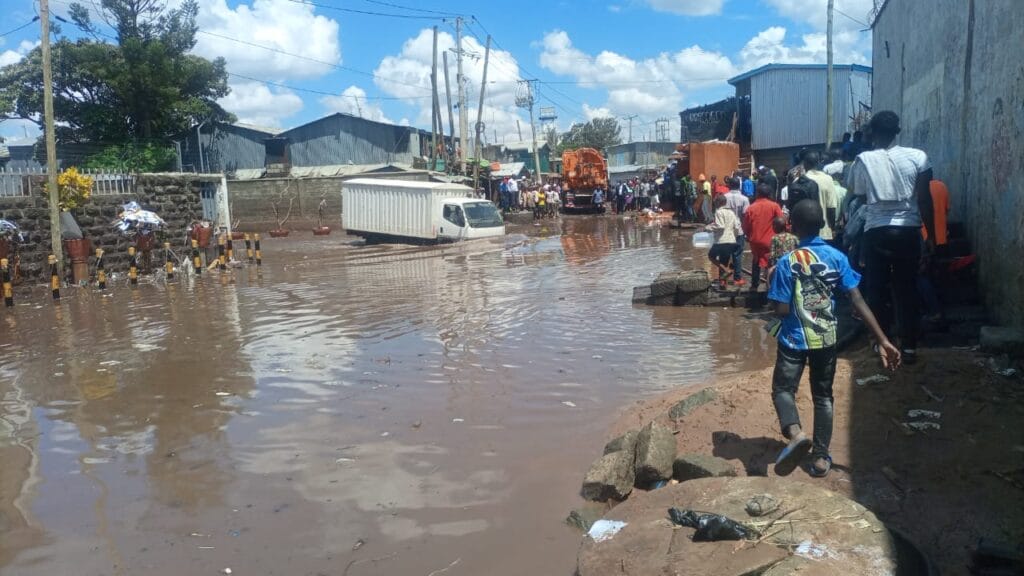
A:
(892, 258)
(789, 367)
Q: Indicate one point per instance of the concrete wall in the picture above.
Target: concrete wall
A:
(951, 69)
(175, 198)
(252, 208)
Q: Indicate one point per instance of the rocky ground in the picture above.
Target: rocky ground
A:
(943, 480)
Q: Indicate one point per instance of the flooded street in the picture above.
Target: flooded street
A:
(344, 409)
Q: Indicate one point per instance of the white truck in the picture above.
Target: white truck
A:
(381, 210)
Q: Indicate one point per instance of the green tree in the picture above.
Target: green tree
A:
(145, 85)
(598, 133)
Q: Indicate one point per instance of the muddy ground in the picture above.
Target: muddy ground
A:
(944, 489)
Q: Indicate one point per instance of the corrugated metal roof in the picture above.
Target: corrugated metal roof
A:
(525, 145)
(787, 107)
(509, 169)
(768, 67)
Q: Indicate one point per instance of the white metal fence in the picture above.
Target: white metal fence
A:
(16, 182)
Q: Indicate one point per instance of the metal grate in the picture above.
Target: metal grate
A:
(16, 183)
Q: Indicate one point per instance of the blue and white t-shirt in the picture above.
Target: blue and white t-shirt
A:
(807, 279)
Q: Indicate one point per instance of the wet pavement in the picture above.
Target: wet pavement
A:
(344, 410)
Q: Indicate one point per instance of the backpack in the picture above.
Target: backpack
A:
(803, 188)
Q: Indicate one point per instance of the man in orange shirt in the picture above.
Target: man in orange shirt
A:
(940, 202)
(757, 227)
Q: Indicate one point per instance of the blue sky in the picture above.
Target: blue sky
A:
(648, 58)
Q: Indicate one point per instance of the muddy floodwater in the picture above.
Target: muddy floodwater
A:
(345, 409)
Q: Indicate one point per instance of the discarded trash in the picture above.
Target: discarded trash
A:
(711, 527)
(813, 551)
(604, 529)
(223, 393)
(385, 434)
(931, 394)
(457, 420)
(226, 571)
(568, 403)
(359, 544)
(761, 505)
(922, 426)
(344, 460)
(876, 379)
(597, 357)
(659, 484)
(917, 413)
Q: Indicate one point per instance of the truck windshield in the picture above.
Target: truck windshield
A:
(482, 215)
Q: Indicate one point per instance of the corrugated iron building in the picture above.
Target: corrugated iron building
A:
(225, 147)
(345, 139)
(788, 106)
(642, 154)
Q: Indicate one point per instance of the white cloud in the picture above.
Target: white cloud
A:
(591, 112)
(287, 26)
(815, 13)
(353, 101)
(407, 75)
(259, 104)
(8, 57)
(688, 7)
(650, 87)
(769, 46)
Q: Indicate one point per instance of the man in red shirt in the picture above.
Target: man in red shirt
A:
(757, 227)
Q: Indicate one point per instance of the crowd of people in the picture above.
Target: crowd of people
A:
(544, 201)
(871, 212)
(636, 194)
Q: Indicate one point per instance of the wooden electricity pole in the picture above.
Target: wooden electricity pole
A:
(448, 102)
(479, 117)
(829, 88)
(433, 109)
(461, 81)
(51, 139)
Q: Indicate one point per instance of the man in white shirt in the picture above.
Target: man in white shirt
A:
(894, 180)
(513, 191)
(738, 203)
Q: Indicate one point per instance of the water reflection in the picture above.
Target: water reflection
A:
(433, 403)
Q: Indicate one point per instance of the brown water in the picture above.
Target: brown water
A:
(343, 410)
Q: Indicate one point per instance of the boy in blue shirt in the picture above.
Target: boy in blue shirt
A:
(802, 290)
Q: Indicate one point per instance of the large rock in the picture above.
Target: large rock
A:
(693, 466)
(626, 442)
(1002, 339)
(610, 477)
(585, 516)
(691, 403)
(655, 453)
(810, 542)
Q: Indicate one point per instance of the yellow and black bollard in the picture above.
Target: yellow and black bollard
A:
(197, 262)
(101, 274)
(222, 262)
(5, 277)
(133, 267)
(231, 249)
(259, 256)
(168, 263)
(248, 247)
(54, 277)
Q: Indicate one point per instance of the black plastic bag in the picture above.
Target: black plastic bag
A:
(711, 527)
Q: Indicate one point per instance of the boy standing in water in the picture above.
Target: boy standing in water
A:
(725, 227)
(802, 289)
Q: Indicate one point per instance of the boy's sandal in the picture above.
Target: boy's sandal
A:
(791, 455)
(821, 472)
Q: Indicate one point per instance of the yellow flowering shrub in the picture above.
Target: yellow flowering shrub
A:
(74, 188)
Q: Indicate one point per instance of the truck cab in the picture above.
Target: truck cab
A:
(468, 218)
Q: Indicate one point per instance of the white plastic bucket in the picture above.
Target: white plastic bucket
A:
(703, 239)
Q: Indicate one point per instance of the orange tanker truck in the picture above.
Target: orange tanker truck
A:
(584, 170)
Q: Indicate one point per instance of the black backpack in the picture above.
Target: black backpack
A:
(803, 188)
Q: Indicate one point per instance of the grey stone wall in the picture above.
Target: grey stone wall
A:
(174, 197)
(953, 74)
(252, 209)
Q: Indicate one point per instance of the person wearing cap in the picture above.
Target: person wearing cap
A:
(895, 181)
(766, 175)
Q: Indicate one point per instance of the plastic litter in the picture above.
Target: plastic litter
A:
(604, 529)
(808, 549)
(924, 425)
(711, 527)
(703, 239)
(876, 379)
(569, 403)
(918, 413)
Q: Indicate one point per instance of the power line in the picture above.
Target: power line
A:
(851, 18)
(365, 12)
(22, 27)
(410, 8)
(308, 58)
(324, 93)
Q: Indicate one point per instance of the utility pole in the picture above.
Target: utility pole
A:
(630, 119)
(519, 129)
(433, 109)
(51, 139)
(829, 88)
(448, 101)
(479, 117)
(524, 99)
(461, 80)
